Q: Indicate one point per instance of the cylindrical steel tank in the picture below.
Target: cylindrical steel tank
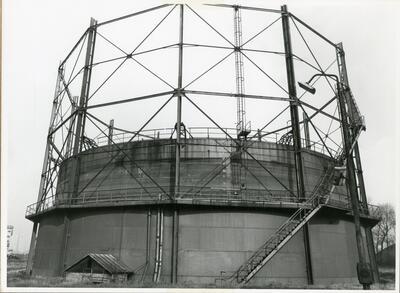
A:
(220, 225)
(260, 203)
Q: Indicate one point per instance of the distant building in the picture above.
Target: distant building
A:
(387, 256)
(10, 232)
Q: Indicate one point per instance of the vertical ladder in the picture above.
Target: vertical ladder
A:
(285, 232)
(241, 125)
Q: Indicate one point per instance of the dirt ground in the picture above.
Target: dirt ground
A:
(16, 277)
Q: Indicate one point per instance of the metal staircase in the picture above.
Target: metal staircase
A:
(356, 119)
(319, 197)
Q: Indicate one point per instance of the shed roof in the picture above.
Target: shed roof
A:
(107, 261)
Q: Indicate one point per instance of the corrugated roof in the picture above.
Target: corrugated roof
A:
(108, 262)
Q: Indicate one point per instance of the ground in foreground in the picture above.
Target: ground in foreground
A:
(16, 277)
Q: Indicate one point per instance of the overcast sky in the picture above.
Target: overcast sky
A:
(38, 34)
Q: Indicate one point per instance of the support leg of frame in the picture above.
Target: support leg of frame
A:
(32, 248)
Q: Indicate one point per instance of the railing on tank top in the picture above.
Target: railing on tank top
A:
(154, 195)
(209, 196)
(211, 132)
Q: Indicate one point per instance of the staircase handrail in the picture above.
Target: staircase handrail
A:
(314, 200)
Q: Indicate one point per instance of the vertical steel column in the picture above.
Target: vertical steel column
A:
(351, 182)
(368, 232)
(294, 117)
(70, 138)
(80, 125)
(306, 131)
(32, 247)
(294, 114)
(362, 194)
(80, 128)
(179, 106)
(64, 248)
(81, 115)
(46, 159)
(175, 217)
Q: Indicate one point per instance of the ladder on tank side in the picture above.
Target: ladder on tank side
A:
(319, 197)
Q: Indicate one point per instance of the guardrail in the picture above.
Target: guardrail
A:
(120, 136)
(370, 210)
(205, 196)
(191, 132)
(154, 195)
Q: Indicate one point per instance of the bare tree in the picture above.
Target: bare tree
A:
(384, 232)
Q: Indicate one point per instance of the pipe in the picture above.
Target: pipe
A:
(161, 245)
(148, 234)
(157, 246)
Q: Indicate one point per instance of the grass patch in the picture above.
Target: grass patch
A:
(16, 277)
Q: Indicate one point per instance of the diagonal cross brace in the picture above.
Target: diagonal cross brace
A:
(238, 144)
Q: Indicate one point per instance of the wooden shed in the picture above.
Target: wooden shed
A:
(98, 268)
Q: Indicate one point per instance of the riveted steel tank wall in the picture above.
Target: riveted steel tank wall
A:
(201, 158)
(213, 241)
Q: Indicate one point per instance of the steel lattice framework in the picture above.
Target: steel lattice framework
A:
(75, 126)
(67, 135)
